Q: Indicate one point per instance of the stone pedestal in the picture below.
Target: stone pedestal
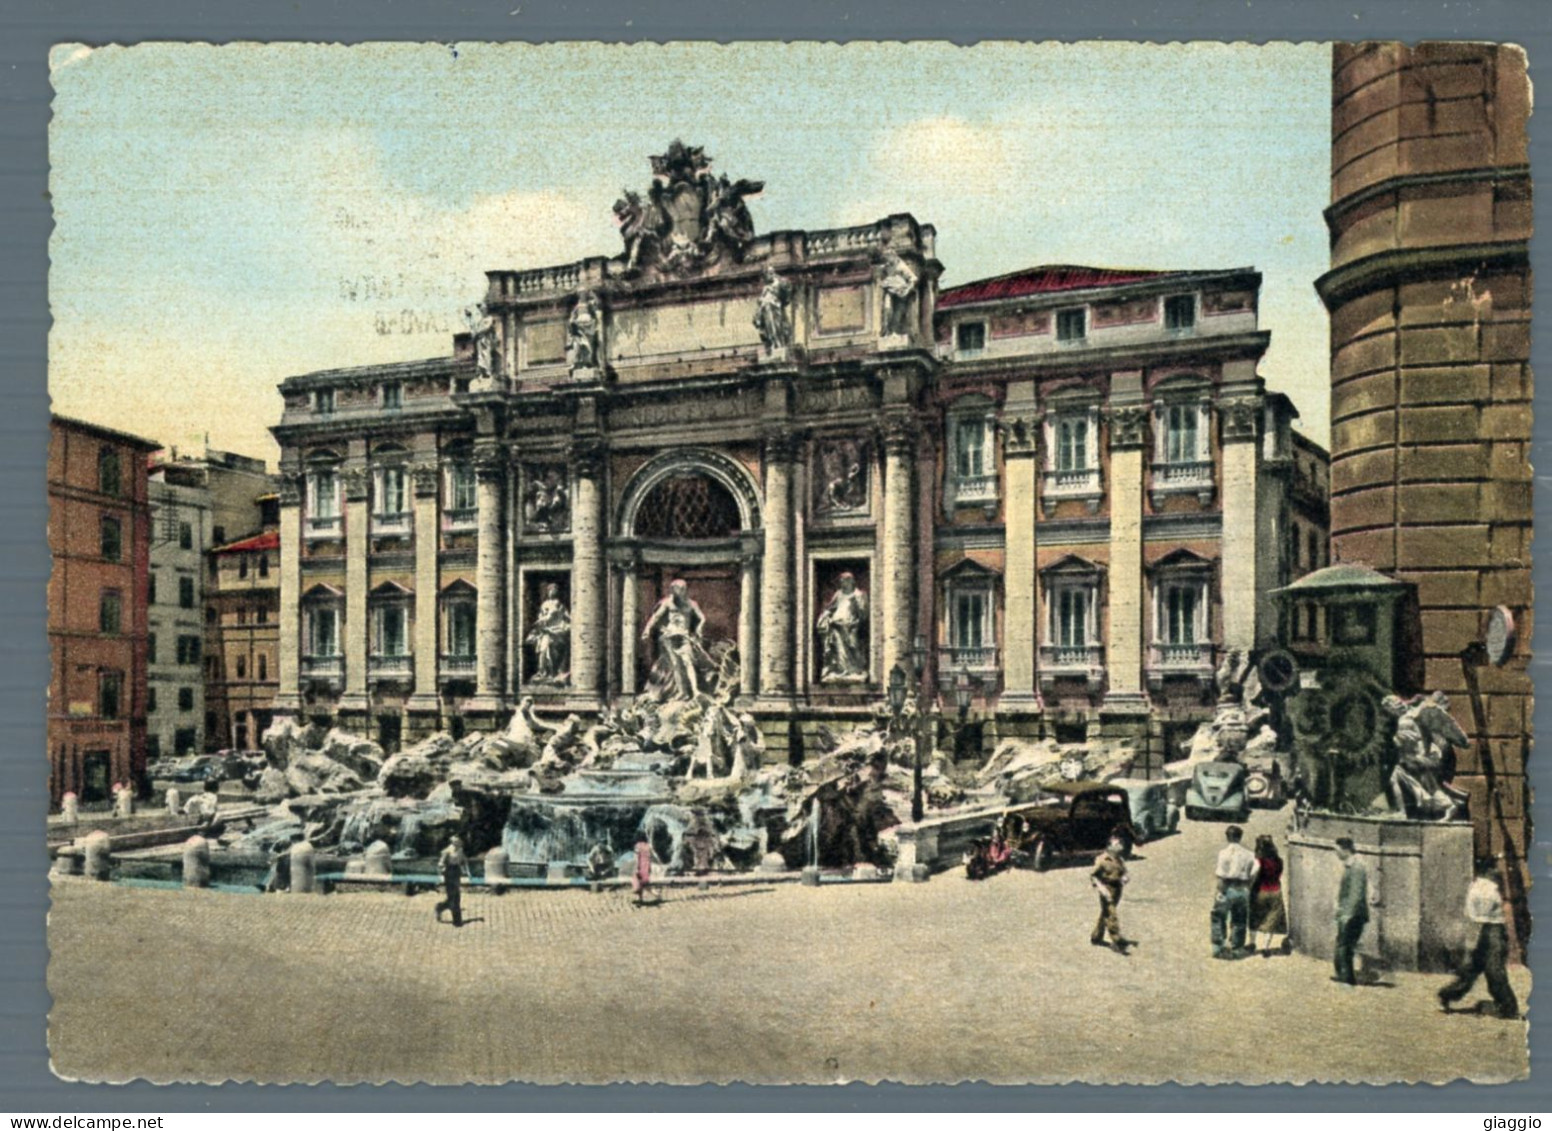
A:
(810, 877)
(887, 342)
(304, 870)
(1418, 875)
(70, 808)
(196, 862)
(378, 860)
(97, 855)
(496, 863)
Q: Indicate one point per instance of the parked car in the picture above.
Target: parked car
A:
(1265, 786)
(1218, 792)
(1154, 807)
(202, 768)
(1075, 818)
(245, 766)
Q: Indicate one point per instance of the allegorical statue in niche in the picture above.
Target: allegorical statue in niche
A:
(842, 480)
(550, 638)
(482, 336)
(1425, 737)
(899, 286)
(546, 509)
(843, 629)
(770, 315)
(677, 623)
(582, 333)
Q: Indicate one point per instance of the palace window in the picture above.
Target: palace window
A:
(1072, 637)
(1180, 312)
(185, 698)
(185, 536)
(323, 402)
(242, 667)
(151, 590)
(1072, 456)
(1072, 325)
(972, 478)
(263, 565)
(462, 496)
(388, 629)
(110, 472)
(390, 513)
(393, 397)
(1182, 628)
(970, 337)
(111, 539)
(1182, 457)
(323, 503)
(263, 666)
(110, 694)
(151, 648)
(185, 592)
(150, 710)
(242, 566)
(460, 628)
(323, 631)
(184, 741)
(110, 612)
(188, 649)
(970, 604)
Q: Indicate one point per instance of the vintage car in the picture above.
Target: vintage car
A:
(1218, 792)
(1154, 805)
(1265, 785)
(1074, 818)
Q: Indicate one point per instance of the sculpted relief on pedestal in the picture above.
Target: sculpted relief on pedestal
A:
(840, 479)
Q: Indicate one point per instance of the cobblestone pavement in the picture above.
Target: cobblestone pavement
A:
(937, 982)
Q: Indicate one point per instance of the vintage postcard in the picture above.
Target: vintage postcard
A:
(790, 563)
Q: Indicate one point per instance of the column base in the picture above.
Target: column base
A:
(1020, 703)
(423, 704)
(1125, 703)
(287, 704)
(485, 705)
(353, 702)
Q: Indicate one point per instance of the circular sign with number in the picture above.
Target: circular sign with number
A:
(1499, 636)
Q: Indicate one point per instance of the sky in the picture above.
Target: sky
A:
(229, 216)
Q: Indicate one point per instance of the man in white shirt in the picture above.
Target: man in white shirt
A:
(1489, 958)
(1231, 905)
(1235, 872)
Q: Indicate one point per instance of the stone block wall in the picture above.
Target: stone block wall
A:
(1429, 294)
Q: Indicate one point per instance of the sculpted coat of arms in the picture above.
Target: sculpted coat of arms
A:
(690, 218)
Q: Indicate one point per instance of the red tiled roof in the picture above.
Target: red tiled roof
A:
(269, 540)
(1043, 280)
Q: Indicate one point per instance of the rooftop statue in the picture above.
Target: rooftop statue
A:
(689, 219)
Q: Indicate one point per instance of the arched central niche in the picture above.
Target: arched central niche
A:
(687, 507)
(690, 495)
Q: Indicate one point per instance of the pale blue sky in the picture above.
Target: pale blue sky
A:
(229, 216)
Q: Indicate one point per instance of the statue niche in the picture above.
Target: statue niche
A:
(840, 479)
(841, 631)
(548, 636)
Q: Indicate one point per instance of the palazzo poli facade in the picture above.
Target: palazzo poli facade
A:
(1067, 486)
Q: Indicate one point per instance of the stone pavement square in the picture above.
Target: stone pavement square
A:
(939, 982)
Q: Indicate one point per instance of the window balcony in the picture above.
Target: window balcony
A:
(325, 528)
(1192, 661)
(1073, 661)
(952, 658)
(1081, 484)
(390, 667)
(1186, 478)
(462, 520)
(391, 525)
(972, 490)
(458, 666)
(327, 668)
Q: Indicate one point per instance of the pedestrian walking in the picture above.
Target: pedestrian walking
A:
(1233, 873)
(1489, 958)
(1268, 915)
(1352, 910)
(641, 874)
(452, 864)
(1108, 878)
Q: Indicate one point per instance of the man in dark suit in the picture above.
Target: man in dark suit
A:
(1352, 909)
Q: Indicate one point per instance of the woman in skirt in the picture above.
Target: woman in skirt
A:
(1268, 916)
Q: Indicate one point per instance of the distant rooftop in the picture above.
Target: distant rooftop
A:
(269, 540)
(1045, 280)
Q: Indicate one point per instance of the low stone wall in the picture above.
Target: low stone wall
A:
(1418, 875)
(940, 843)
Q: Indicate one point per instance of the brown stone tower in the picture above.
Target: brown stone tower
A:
(1429, 294)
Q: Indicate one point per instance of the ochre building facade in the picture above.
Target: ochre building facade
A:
(1068, 487)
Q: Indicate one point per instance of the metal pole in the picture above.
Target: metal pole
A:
(922, 723)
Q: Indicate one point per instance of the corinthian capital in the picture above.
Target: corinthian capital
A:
(1128, 426)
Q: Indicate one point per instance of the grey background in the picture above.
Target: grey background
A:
(26, 1084)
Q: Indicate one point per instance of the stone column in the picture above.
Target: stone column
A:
(1240, 417)
(490, 469)
(776, 569)
(288, 657)
(1124, 649)
(1021, 602)
(898, 568)
(749, 625)
(427, 543)
(358, 538)
(589, 626)
(630, 615)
